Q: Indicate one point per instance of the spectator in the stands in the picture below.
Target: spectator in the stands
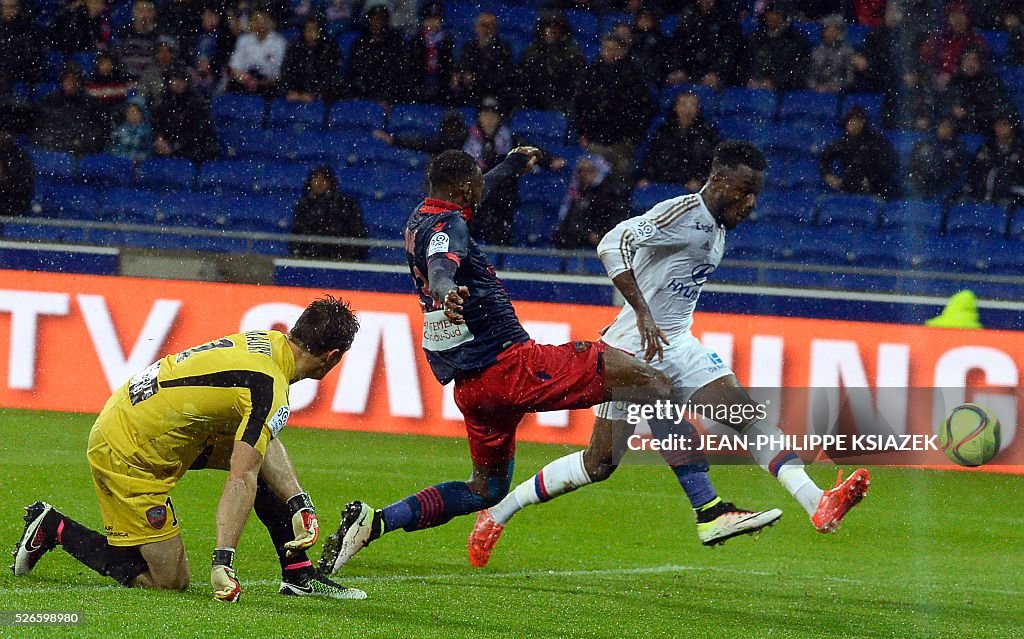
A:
(485, 66)
(136, 46)
(312, 66)
(944, 48)
(179, 22)
(1013, 24)
(592, 205)
(69, 119)
(552, 66)
(378, 65)
(255, 64)
(109, 85)
(649, 51)
(707, 46)
(325, 210)
(613, 106)
(995, 174)
(975, 95)
(81, 26)
(433, 56)
(17, 178)
(778, 53)
(151, 81)
(832, 60)
(875, 66)
(937, 162)
(133, 137)
(682, 147)
(862, 160)
(213, 45)
(868, 13)
(335, 14)
(451, 134)
(489, 142)
(181, 121)
(21, 47)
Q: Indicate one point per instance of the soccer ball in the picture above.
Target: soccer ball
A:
(970, 435)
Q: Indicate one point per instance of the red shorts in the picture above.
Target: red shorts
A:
(527, 378)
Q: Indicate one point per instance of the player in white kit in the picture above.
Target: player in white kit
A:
(660, 261)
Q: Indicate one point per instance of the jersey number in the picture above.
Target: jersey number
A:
(217, 343)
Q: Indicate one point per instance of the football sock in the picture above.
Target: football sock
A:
(561, 476)
(690, 466)
(432, 506)
(277, 517)
(783, 464)
(122, 563)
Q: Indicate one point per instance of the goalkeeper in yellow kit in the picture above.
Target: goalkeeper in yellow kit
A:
(217, 405)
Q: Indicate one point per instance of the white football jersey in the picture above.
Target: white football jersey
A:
(672, 249)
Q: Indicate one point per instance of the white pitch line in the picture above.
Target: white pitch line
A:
(601, 572)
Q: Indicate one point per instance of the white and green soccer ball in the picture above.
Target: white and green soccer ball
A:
(970, 435)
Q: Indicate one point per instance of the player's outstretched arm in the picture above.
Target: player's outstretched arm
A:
(232, 513)
(616, 250)
(518, 161)
(279, 473)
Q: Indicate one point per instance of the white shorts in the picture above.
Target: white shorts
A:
(688, 363)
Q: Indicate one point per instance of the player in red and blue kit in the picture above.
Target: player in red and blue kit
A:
(471, 335)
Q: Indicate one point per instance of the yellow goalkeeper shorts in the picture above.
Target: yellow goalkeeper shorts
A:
(135, 505)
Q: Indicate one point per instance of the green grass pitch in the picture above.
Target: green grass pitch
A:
(928, 554)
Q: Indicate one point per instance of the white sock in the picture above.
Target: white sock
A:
(790, 472)
(561, 476)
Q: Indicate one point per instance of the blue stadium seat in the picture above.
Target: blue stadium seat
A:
(998, 255)
(849, 211)
(240, 110)
(856, 34)
(590, 49)
(385, 221)
(803, 106)
(647, 196)
(794, 139)
(169, 174)
(534, 224)
(364, 183)
(40, 91)
(369, 152)
(708, 97)
(1017, 225)
(946, 254)
(903, 142)
(583, 24)
(105, 170)
(533, 263)
(976, 219)
(885, 249)
(259, 214)
(420, 120)
(192, 210)
(315, 147)
(516, 21)
(129, 206)
(539, 127)
(585, 266)
(228, 176)
(52, 164)
(545, 189)
(809, 30)
(870, 102)
(364, 115)
(740, 127)
(66, 201)
(752, 104)
(821, 246)
(259, 144)
(998, 42)
(760, 242)
(923, 215)
(794, 174)
(281, 178)
(400, 183)
(785, 209)
(297, 116)
(972, 142)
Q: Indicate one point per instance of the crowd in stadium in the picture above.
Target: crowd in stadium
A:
(891, 99)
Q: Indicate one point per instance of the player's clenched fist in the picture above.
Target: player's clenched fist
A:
(304, 524)
(222, 577)
(453, 302)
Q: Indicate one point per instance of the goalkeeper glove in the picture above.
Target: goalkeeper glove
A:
(222, 577)
(304, 524)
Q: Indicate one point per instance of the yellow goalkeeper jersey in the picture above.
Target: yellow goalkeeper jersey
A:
(235, 387)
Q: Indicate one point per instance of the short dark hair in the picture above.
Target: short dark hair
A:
(326, 324)
(451, 168)
(732, 154)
